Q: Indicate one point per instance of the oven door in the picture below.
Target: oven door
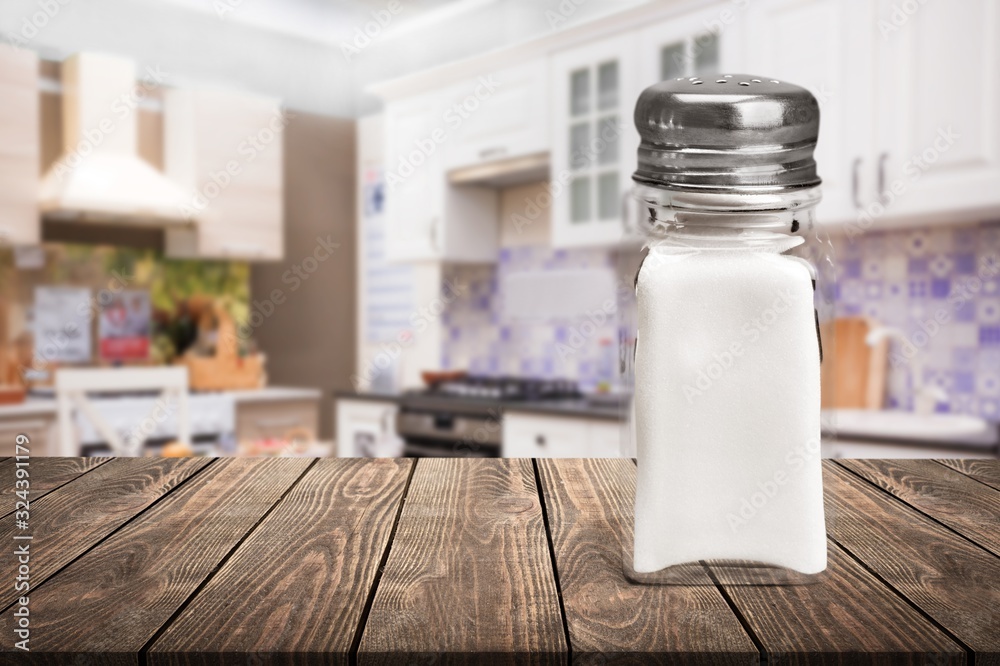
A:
(434, 434)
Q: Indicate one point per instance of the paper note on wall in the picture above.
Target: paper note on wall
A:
(62, 325)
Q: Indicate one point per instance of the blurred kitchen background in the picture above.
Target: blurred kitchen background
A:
(395, 227)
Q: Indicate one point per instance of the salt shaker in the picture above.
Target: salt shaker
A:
(727, 347)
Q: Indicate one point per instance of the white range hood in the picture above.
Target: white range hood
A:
(100, 176)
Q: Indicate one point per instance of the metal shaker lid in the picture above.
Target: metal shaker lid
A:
(727, 133)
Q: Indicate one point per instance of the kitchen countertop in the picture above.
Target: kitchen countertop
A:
(192, 560)
(36, 405)
(576, 408)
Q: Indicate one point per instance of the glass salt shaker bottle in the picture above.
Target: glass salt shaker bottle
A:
(725, 356)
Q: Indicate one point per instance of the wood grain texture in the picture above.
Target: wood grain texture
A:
(73, 518)
(589, 504)
(980, 469)
(469, 576)
(951, 580)
(106, 605)
(963, 504)
(303, 576)
(849, 616)
(47, 474)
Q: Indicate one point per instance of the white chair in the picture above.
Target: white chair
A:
(72, 386)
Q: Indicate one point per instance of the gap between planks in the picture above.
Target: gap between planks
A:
(132, 519)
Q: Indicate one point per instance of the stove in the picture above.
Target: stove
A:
(462, 418)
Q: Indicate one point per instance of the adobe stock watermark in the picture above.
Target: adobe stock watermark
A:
(366, 34)
(931, 327)
(453, 118)
(723, 361)
(714, 28)
(50, 349)
(245, 152)
(534, 206)
(419, 320)
(121, 108)
(913, 170)
(293, 277)
(32, 25)
(579, 335)
(899, 15)
(768, 489)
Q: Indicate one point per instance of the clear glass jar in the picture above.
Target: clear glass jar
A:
(723, 348)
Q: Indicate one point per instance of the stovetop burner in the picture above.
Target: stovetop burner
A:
(506, 388)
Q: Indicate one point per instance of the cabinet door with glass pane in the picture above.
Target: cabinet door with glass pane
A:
(594, 142)
(696, 44)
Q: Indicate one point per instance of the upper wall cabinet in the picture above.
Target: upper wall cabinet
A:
(938, 84)
(699, 43)
(227, 150)
(426, 218)
(593, 140)
(499, 115)
(19, 147)
(826, 47)
(907, 113)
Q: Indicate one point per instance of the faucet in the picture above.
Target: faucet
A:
(925, 397)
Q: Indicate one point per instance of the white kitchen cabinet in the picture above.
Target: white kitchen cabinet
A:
(428, 219)
(938, 86)
(699, 43)
(19, 147)
(226, 149)
(543, 436)
(906, 129)
(827, 47)
(499, 116)
(594, 140)
(366, 428)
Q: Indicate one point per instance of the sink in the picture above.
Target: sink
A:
(909, 426)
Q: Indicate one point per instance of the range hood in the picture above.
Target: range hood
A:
(100, 177)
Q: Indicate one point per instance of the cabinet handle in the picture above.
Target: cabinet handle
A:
(855, 178)
(540, 440)
(882, 159)
(434, 235)
(496, 151)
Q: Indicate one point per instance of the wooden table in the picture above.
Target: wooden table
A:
(169, 561)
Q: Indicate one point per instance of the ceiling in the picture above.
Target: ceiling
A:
(303, 51)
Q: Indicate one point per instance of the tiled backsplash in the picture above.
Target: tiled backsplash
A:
(477, 338)
(941, 288)
(904, 279)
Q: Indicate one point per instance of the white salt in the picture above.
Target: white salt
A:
(727, 404)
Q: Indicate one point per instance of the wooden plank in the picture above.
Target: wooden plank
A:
(47, 474)
(963, 504)
(589, 504)
(319, 548)
(951, 580)
(469, 576)
(847, 616)
(980, 469)
(108, 604)
(70, 520)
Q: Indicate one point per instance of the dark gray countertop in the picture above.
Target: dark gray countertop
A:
(575, 408)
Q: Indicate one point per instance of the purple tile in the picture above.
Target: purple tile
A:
(852, 268)
(918, 288)
(966, 311)
(964, 382)
(940, 287)
(989, 335)
(916, 266)
(965, 263)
